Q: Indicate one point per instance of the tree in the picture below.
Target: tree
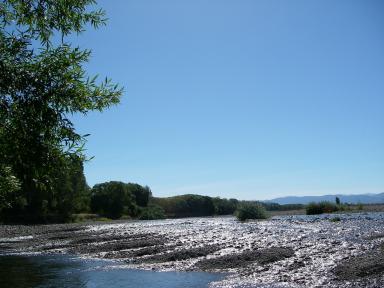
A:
(337, 200)
(42, 83)
(224, 206)
(112, 199)
(142, 194)
(72, 193)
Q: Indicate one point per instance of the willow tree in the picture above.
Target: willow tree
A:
(42, 83)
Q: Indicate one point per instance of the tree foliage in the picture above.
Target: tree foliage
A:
(152, 212)
(188, 205)
(224, 206)
(9, 185)
(71, 191)
(140, 193)
(114, 199)
(42, 83)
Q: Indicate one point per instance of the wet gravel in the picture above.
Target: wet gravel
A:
(285, 251)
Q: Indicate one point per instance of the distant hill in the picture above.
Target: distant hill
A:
(353, 199)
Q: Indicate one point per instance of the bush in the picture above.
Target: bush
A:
(335, 219)
(321, 207)
(251, 211)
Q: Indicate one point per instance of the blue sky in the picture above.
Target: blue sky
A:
(243, 99)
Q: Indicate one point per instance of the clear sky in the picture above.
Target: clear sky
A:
(246, 99)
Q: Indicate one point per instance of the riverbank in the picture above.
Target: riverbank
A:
(295, 251)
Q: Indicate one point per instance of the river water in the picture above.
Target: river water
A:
(65, 271)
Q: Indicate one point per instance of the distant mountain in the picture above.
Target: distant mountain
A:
(353, 199)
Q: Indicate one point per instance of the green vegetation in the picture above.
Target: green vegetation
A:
(191, 205)
(42, 83)
(224, 206)
(251, 210)
(68, 194)
(9, 185)
(186, 206)
(270, 206)
(115, 199)
(152, 212)
(322, 207)
(112, 200)
(335, 219)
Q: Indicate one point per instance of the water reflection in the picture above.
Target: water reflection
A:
(68, 272)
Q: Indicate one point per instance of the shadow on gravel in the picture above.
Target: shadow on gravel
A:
(182, 254)
(116, 245)
(361, 266)
(261, 256)
(105, 238)
(375, 236)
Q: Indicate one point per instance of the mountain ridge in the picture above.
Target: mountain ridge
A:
(368, 198)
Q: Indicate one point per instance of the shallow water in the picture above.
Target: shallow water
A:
(65, 271)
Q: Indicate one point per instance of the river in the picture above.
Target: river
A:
(43, 271)
(331, 250)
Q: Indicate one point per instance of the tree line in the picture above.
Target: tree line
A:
(116, 199)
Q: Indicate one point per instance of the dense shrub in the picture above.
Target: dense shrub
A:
(251, 211)
(321, 207)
